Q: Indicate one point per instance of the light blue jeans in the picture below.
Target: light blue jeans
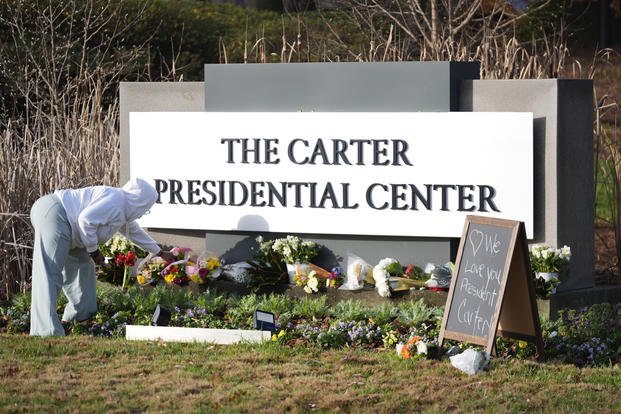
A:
(56, 266)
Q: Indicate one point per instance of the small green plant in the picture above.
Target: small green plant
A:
(351, 310)
(195, 317)
(413, 313)
(277, 304)
(240, 311)
(384, 314)
(109, 326)
(307, 307)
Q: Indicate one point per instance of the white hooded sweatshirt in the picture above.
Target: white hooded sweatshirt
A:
(95, 214)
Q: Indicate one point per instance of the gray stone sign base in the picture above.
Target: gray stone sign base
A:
(563, 147)
(338, 87)
(578, 298)
(564, 188)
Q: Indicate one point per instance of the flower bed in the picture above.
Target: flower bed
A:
(588, 336)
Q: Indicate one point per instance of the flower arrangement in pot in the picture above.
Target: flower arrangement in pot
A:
(547, 264)
(296, 253)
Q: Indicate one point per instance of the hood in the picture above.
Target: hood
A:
(139, 198)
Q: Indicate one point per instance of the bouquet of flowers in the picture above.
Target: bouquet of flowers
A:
(313, 279)
(389, 276)
(309, 281)
(151, 271)
(334, 280)
(200, 269)
(120, 254)
(406, 350)
(185, 268)
(381, 274)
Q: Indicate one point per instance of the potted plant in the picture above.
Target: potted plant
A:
(547, 264)
(296, 253)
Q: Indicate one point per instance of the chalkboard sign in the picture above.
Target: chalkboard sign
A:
(491, 289)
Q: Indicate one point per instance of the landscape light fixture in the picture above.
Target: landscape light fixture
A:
(161, 316)
(264, 321)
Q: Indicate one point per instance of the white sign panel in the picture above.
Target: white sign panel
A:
(394, 174)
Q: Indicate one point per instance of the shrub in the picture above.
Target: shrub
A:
(585, 336)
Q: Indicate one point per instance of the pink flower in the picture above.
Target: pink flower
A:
(176, 251)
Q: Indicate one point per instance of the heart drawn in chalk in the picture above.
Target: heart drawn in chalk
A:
(476, 240)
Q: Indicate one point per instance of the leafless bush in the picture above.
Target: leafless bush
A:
(608, 162)
(59, 130)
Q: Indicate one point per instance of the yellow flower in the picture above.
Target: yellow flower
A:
(522, 344)
(196, 278)
(141, 279)
(169, 278)
(274, 337)
(281, 333)
(213, 263)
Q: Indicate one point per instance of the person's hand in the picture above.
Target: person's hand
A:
(97, 257)
(166, 255)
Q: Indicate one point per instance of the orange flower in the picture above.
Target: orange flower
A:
(413, 340)
(405, 352)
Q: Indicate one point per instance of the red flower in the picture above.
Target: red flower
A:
(130, 259)
(120, 259)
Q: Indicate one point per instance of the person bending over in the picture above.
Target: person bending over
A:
(68, 226)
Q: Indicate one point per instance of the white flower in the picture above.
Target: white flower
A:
(383, 289)
(565, 252)
(384, 263)
(307, 289)
(313, 282)
(398, 348)
(259, 239)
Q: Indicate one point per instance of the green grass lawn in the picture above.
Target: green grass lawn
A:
(86, 374)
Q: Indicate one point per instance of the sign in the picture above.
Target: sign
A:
(391, 174)
(491, 289)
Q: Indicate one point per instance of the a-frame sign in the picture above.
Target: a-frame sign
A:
(491, 289)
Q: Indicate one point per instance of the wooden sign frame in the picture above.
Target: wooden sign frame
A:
(515, 314)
